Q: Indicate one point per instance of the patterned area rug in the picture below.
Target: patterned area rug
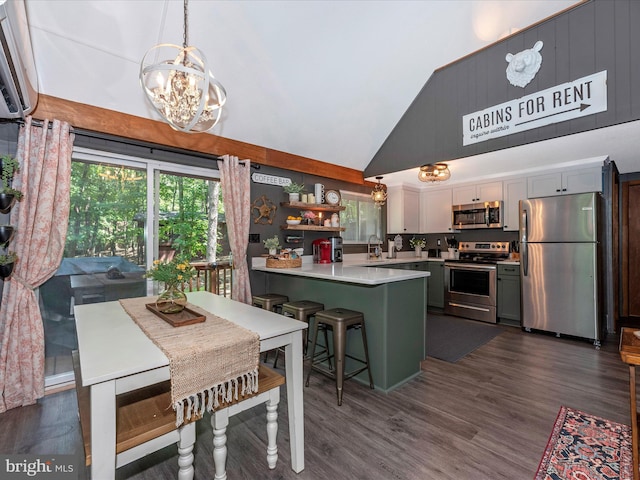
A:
(585, 447)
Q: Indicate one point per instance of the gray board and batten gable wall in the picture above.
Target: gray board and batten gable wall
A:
(595, 36)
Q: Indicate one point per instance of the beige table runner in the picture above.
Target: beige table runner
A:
(209, 361)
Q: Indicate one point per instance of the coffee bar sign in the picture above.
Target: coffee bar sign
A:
(582, 97)
(270, 179)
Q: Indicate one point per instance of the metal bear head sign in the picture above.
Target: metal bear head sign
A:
(524, 65)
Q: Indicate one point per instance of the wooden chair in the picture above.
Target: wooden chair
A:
(145, 423)
(269, 383)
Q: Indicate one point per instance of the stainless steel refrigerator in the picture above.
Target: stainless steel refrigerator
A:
(559, 265)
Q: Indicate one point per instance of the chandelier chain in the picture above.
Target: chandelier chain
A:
(185, 35)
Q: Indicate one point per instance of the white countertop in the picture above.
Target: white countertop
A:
(357, 268)
(352, 270)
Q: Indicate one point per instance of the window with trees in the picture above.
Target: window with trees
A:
(361, 217)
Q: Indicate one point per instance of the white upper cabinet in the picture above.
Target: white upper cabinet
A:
(482, 192)
(403, 210)
(565, 183)
(514, 191)
(436, 211)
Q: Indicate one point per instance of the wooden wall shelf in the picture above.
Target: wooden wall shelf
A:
(316, 228)
(318, 207)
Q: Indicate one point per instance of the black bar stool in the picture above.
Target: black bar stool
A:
(339, 320)
(301, 310)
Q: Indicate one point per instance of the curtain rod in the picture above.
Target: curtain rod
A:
(153, 146)
(20, 121)
(134, 143)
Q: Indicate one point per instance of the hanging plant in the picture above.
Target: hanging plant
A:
(8, 194)
(9, 168)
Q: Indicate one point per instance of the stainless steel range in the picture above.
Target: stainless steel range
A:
(470, 283)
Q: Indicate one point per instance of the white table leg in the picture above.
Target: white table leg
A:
(293, 369)
(272, 427)
(185, 451)
(219, 423)
(103, 430)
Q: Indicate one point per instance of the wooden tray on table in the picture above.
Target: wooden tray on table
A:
(180, 319)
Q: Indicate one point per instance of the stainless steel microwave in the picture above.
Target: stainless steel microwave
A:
(477, 215)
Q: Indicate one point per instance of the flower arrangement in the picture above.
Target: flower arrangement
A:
(293, 188)
(418, 242)
(271, 243)
(175, 272)
(308, 217)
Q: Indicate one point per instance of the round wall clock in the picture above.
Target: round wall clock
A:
(332, 197)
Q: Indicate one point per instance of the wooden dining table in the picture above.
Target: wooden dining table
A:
(117, 357)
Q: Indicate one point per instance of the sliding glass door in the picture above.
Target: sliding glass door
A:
(125, 212)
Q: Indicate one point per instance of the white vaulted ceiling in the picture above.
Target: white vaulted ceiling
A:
(326, 80)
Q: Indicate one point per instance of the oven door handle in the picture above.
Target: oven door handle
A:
(469, 266)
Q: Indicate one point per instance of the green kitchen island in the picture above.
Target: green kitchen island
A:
(394, 304)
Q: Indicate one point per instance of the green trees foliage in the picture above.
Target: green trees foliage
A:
(108, 213)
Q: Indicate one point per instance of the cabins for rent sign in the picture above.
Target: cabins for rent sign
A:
(582, 97)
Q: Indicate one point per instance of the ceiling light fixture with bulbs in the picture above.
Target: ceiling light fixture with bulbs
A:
(434, 172)
(178, 83)
(379, 194)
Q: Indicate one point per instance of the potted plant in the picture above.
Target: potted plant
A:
(272, 244)
(418, 244)
(7, 261)
(294, 190)
(7, 193)
(173, 274)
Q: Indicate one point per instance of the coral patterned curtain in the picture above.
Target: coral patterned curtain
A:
(41, 220)
(235, 180)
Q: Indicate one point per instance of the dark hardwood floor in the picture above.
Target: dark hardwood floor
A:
(488, 416)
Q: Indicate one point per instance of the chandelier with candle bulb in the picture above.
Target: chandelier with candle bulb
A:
(178, 83)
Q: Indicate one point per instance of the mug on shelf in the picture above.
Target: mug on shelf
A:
(319, 192)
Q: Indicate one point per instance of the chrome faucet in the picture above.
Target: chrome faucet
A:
(374, 248)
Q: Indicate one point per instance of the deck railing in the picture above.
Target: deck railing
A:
(213, 277)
